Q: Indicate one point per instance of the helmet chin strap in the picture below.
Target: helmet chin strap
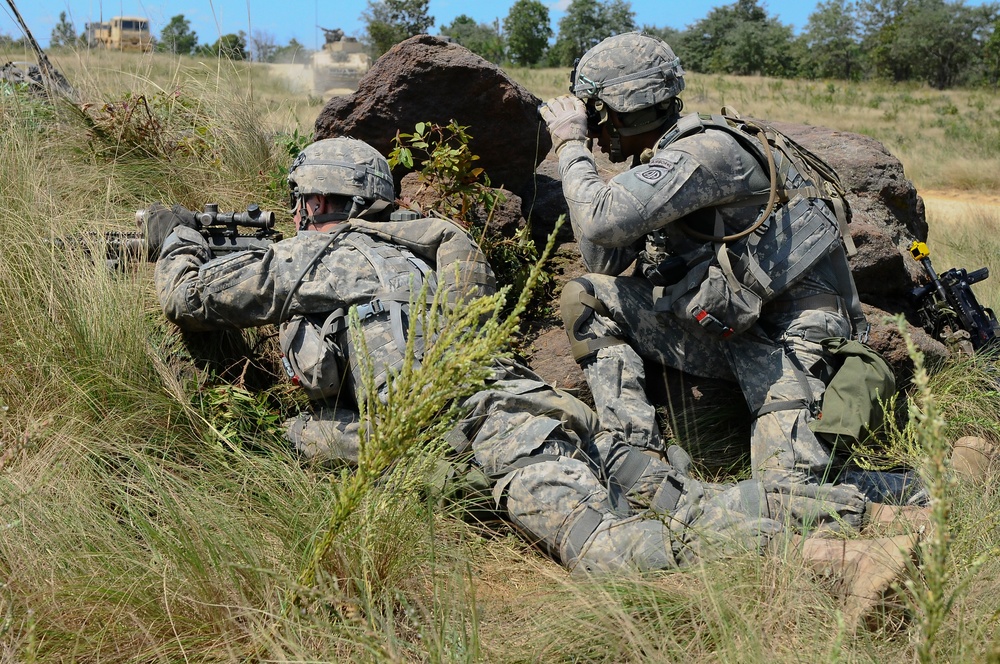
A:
(615, 155)
(647, 120)
(357, 207)
(616, 133)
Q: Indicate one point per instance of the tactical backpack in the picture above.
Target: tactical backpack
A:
(804, 218)
(319, 353)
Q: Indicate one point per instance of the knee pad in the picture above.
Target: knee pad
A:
(577, 305)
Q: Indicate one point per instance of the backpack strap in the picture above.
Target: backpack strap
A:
(393, 265)
(826, 183)
(823, 182)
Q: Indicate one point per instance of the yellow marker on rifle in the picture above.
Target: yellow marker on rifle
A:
(946, 304)
(919, 250)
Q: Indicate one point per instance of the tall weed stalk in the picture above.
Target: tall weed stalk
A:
(401, 424)
(943, 578)
(932, 595)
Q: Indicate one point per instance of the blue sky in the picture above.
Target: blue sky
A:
(298, 18)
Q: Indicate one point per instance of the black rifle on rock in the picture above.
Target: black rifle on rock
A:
(225, 232)
(948, 308)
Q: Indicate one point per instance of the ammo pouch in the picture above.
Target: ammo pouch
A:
(852, 406)
(310, 354)
(723, 294)
(705, 298)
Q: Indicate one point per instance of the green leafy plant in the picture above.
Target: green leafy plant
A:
(238, 415)
(460, 190)
(289, 146)
(446, 166)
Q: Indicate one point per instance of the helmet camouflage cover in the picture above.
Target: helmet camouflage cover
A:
(344, 167)
(629, 72)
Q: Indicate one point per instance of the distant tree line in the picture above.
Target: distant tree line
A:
(943, 43)
(260, 46)
(940, 42)
(177, 37)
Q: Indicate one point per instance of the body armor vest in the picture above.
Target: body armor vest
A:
(732, 273)
(319, 353)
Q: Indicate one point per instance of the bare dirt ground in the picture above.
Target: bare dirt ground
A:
(947, 205)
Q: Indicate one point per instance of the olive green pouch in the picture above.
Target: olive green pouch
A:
(853, 405)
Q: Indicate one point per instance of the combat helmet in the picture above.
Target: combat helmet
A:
(343, 167)
(635, 75)
(628, 72)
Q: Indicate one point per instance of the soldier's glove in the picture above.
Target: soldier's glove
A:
(566, 119)
(157, 222)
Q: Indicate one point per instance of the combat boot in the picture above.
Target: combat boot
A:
(974, 458)
(866, 569)
(886, 520)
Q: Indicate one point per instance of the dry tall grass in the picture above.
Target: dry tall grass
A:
(966, 235)
(151, 512)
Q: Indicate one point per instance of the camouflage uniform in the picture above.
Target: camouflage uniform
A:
(539, 447)
(700, 179)
(536, 443)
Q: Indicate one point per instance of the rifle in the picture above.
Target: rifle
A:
(222, 231)
(947, 306)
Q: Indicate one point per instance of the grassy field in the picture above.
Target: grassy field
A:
(151, 511)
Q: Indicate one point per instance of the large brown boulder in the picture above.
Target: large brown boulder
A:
(428, 79)
(887, 215)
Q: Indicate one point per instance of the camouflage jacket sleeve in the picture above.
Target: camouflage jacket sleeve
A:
(250, 288)
(696, 172)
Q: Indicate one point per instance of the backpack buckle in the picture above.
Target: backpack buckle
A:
(711, 324)
(863, 333)
(373, 308)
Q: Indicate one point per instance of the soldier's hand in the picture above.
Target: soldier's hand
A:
(157, 222)
(566, 119)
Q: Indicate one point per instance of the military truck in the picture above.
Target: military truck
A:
(121, 33)
(339, 66)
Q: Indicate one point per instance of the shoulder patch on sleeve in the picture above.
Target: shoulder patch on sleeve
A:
(652, 175)
(658, 167)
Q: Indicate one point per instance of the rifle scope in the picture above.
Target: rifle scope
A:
(254, 217)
